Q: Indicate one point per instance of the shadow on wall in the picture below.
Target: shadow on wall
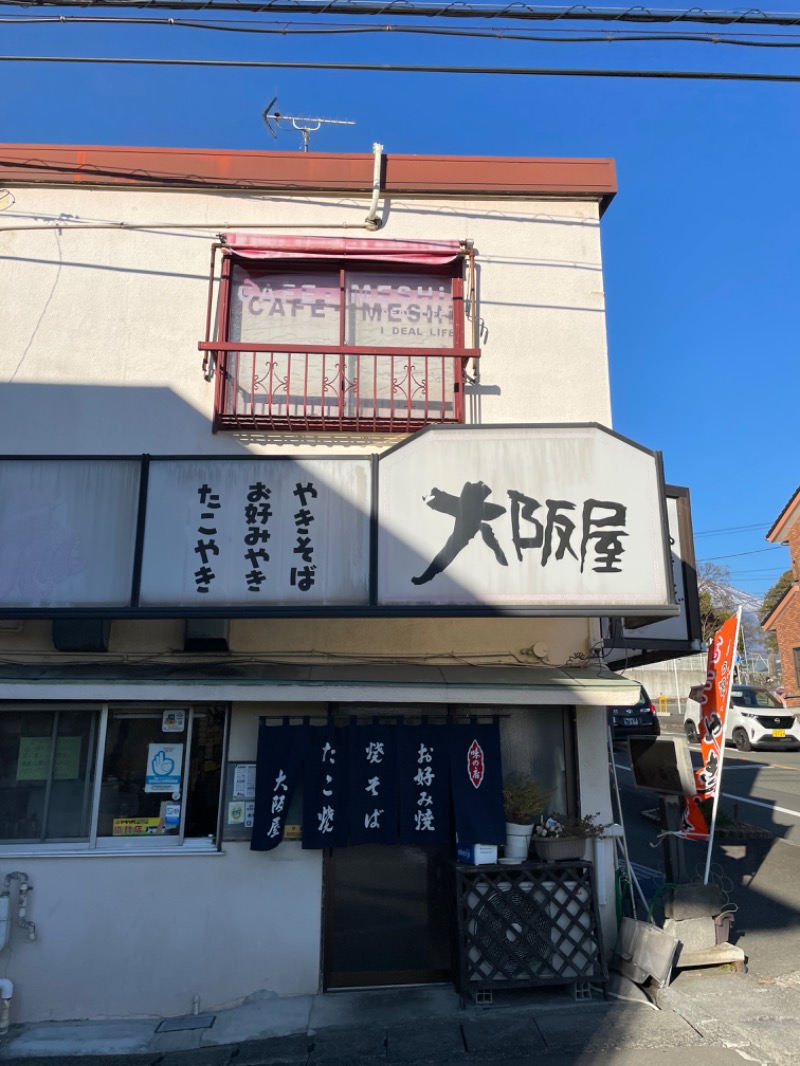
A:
(55, 419)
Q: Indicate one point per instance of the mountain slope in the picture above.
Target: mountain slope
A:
(728, 598)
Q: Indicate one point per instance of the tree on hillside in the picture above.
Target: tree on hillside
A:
(776, 593)
(713, 611)
(718, 604)
(770, 601)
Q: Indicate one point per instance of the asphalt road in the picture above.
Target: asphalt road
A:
(760, 789)
(764, 789)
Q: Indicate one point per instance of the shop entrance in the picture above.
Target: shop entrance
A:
(388, 916)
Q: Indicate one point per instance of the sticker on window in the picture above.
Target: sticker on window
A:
(164, 762)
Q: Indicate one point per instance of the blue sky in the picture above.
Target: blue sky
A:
(700, 245)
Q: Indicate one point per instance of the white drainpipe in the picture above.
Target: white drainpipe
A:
(372, 222)
(6, 992)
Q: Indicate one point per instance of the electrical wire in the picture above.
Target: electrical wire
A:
(762, 570)
(735, 555)
(516, 10)
(732, 529)
(288, 29)
(411, 68)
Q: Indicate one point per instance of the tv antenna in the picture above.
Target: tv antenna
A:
(305, 126)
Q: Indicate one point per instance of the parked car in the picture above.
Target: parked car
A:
(637, 721)
(756, 719)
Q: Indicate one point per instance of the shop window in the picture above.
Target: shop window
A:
(540, 741)
(110, 777)
(46, 765)
(369, 341)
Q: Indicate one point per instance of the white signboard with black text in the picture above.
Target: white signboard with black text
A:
(253, 533)
(554, 515)
(547, 520)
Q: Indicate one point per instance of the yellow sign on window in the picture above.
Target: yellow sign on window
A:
(136, 827)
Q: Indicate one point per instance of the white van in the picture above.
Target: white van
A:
(756, 719)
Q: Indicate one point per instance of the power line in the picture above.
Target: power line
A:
(288, 29)
(528, 12)
(760, 570)
(735, 555)
(408, 68)
(732, 529)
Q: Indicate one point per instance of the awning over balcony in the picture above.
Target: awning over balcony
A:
(265, 246)
(251, 682)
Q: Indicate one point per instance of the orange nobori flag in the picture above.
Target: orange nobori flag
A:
(713, 699)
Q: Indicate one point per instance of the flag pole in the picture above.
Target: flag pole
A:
(718, 789)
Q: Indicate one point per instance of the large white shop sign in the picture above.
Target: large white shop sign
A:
(555, 519)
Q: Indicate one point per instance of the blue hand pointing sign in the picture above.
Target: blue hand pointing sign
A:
(164, 762)
(161, 764)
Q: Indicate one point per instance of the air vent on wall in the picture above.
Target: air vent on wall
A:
(206, 634)
(81, 634)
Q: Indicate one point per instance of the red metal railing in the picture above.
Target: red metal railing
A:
(347, 389)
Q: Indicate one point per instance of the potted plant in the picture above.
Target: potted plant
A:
(562, 838)
(524, 800)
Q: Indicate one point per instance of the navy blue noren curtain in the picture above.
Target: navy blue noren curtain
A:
(278, 758)
(423, 784)
(477, 783)
(325, 788)
(373, 784)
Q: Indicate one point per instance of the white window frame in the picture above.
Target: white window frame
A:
(96, 845)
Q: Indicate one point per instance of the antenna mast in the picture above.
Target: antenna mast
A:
(304, 125)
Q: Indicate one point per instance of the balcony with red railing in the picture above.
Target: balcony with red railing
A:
(342, 389)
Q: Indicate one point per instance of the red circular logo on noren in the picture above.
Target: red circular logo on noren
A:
(475, 764)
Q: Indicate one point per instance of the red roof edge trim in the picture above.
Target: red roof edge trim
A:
(463, 177)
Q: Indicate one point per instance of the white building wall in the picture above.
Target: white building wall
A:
(595, 798)
(217, 925)
(99, 355)
(101, 326)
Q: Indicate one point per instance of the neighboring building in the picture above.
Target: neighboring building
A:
(378, 497)
(784, 618)
(671, 681)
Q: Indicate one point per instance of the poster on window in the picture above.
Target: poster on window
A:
(399, 310)
(33, 761)
(284, 308)
(164, 768)
(381, 308)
